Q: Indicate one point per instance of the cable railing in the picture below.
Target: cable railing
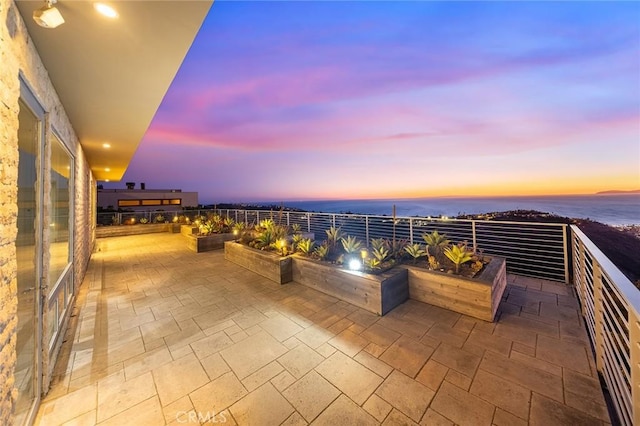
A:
(610, 305)
(532, 249)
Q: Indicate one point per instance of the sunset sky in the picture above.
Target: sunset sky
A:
(323, 100)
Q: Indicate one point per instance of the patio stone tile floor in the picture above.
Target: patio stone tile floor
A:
(161, 335)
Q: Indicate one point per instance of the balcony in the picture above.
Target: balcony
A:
(161, 335)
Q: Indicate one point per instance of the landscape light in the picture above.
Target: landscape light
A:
(355, 265)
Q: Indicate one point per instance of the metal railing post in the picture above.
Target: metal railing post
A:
(411, 230)
(366, 229)
(308, 222)
(473, 236)
(598, 315)
(333, 220)
(287, 218)
(565, 251)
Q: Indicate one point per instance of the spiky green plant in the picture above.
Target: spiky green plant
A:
(372, 263)
(380, 253)
(321, 252)
(227, 224)
(296, 228)
(295, 240)
(333, 236)
(435, 242)
(350, 244)
(159, 218)
(378, 243)
(458, 254)
(239, 228)
(396, 247)
(267, 238)
(305, 246)
(415, 251)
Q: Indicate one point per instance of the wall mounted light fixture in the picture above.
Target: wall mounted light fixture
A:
(48, 16)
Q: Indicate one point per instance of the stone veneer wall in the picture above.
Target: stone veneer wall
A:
(18, 55)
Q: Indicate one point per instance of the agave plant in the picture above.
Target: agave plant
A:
(396, 247)
(458, 254)
(436, 242)
(228, 223)
(378, 243)
(415, 251)
(305, 246)
(295, 240)
(350, 244)
(380, 253)
(265, 224)
(321, 252)
(296, 228)
(373, 263)
(333, 236)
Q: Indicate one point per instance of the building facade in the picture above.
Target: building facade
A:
(47, 198)
(146, 199)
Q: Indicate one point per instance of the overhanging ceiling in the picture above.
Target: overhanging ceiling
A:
(112, 74)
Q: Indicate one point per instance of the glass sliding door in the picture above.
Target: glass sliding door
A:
(60, 271)
(28, 364)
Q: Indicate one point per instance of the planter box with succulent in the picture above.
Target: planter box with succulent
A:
(265, 248)
(342, 267)
(211, 235)
(452, 276)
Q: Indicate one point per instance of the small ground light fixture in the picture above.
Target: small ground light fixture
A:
(355, 265)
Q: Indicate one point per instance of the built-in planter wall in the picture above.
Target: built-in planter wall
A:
(202, 243)
(478, 297)
(122, 230)
(378, 293)
(268, 264)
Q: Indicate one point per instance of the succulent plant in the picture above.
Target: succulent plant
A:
(350, 244)
(305, 246)
(321, 252)
(415, 251)
(436, 242)
(458, 254)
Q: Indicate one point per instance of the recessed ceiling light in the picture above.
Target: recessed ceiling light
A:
(107, 169)
(106, 180)
(106, 10)
(106, 145)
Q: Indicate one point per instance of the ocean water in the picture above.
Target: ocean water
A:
(613, 209)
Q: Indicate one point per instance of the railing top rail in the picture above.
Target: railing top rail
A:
(431, 218)
(629, 291)
(357, 215)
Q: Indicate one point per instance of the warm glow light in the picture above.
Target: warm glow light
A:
(107, 169)
(106, 180)
(106, 10)
(364, 254)
(355, 265)
(106, 145)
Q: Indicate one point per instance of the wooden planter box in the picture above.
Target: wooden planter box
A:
(201, 243)
(175, 228)
(188, 229)
(122, 230)
(375, 293)
(478, 297)
(268, 264)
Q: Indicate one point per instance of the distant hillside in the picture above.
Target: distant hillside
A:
(621, 246)
(613, 191)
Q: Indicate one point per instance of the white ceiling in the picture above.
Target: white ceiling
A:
(111, 75)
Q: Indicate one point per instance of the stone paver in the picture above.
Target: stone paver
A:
(197, 335)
